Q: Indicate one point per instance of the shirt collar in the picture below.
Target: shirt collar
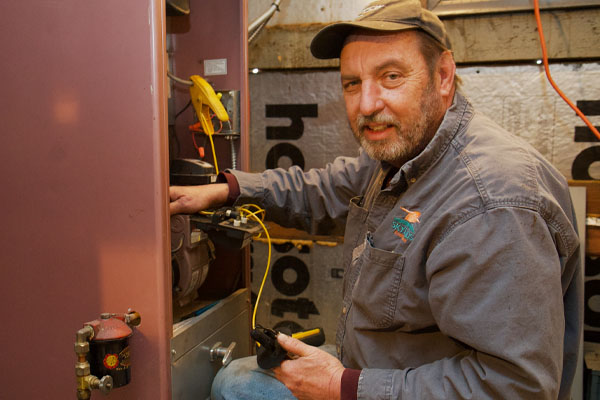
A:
(414, 168)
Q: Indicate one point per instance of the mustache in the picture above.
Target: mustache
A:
(363, 120)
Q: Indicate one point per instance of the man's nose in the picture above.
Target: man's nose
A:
(370, 98)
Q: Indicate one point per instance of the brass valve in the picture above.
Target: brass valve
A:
(85, 381)
(104, 344)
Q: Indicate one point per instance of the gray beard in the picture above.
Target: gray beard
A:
(411, 136)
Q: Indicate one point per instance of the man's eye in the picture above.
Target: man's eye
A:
(350, 85)
(392, 76)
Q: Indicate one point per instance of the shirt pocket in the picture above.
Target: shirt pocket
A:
(375, 291)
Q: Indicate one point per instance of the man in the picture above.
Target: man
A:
(462, 275)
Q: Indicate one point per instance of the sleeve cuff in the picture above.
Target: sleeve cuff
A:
(349, 387)
(234, 186)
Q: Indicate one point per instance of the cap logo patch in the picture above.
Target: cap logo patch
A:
(370, 10)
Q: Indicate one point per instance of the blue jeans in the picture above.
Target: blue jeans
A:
(244, 379)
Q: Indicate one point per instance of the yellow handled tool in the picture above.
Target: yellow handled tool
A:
(205, 99)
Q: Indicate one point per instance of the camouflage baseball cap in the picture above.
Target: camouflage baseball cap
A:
(381, 15)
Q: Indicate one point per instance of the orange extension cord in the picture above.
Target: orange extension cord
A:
(538, 20)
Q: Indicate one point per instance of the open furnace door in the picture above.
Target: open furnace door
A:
(84, 169)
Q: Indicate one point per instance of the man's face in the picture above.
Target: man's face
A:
(391, 98)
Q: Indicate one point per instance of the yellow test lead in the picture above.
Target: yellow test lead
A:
(262, 284)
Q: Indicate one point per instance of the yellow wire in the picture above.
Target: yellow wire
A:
(253, 214)
(262, 285)
(258, 210)
(253, 205)
(212, 146)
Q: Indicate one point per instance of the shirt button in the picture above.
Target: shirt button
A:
(413, 180)
(344, 310)
(338, 349)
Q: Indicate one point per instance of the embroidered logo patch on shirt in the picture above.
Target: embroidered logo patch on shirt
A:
(404, 227)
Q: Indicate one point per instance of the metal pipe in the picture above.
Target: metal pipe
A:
(182, 81)
(85, 381)
(82, 367)
(263, 19)
(256, 32)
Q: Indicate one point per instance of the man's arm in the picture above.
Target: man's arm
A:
(192, 199)
(316, 200)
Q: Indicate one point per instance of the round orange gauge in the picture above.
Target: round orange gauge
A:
(111, 361)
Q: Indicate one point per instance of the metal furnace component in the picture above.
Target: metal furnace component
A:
(104, 343)
(225, 353)
(191, 254)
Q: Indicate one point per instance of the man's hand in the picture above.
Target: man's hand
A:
(315, 374)
(191, 199)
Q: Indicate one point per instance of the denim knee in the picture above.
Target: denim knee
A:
(243, 379)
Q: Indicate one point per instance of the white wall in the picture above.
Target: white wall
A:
(307, 11)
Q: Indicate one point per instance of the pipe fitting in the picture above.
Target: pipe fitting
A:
(104, 384)
(85, 381)
(84, 334)
(133, 318)
(82, 348)
(82, 369)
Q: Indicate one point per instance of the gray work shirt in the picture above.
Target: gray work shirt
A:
(462, 274)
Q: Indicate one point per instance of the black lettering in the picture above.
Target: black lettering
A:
(592, 266)
(295, 112)
(591, 317)
(302, 275)
(583, 161)
(302, 306)
(589, 107)
(281, 150)
(583, 133)
(286, 247)
(591, 336)
(283, 247)
(304, 249)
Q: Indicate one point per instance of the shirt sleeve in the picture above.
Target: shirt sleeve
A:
(315, 201)
(349, 384)
(232, 183)
(494, 287)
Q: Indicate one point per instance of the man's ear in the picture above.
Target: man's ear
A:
(446, 68)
